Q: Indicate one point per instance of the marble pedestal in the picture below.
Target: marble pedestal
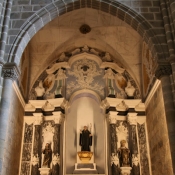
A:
(85, 168)
(125, 170)
(45, 171)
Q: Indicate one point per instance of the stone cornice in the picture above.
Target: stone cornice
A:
(131, 103)
(11, 71)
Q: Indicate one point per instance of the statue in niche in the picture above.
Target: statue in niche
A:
(124, 154)
(40, 91)
(47, 156)
(130, 89)
(122, 133)
(85, 139)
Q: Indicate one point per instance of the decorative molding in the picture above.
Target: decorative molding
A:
(112, 66)
(35, 160)
(153, 90)
(57, 117)
(88, 56)
(140, 107)
(135, 160)
(10, 71)
(56, 159)
(48, 107)
(132, 118)
(112, 117)
(84, 91)
(122, 106)
(125, 170)
(163, 70)
(131, 103)
(29, 107)
(38, 118)
(115, 160)
(18, 93)
(104, 104)
(57, 66)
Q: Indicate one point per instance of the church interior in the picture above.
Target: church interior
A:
(87, 87)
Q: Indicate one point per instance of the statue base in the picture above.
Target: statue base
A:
(85, 168)
(45, 171)
(125, 170)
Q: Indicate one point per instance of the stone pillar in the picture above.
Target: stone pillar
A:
(56, 143)
(36, 159)
(10, 73)
(163, 73)
(113, 144)
(133, 143)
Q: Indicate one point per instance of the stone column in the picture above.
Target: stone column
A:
(113, 144)
(163, 73)
(36, 159)
(132, 120)
(56, 143)
(10, 73)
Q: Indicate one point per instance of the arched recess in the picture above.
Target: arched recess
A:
(57, 8)
(85, 110)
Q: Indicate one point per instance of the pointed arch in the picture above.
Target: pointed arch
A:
(58, 8)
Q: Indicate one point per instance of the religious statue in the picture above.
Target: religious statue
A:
(40, 90)
(85, 139)
(130, 89)
(124, 155)
(60, 77)
(47, 156)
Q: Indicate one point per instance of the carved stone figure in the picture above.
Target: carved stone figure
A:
(85, 139)
(130, 89)
(124, 155)
(40, 91)
(60, 76)
(47, 156)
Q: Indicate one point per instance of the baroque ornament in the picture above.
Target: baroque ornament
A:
(35, 160)
(84, 71)
(56, 159)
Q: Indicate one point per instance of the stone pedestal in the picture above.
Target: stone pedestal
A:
(125, 170)
(85, 168)
(45, 171)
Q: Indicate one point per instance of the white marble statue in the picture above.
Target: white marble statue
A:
(40, 91)
(130, 89)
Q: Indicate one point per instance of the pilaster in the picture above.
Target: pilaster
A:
(36, 159)
(56, 143)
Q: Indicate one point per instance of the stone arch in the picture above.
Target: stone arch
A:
(57, 8)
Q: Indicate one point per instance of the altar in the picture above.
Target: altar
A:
(85, 116)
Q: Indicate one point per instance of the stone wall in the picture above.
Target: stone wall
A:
(12, 148)
(158, 135)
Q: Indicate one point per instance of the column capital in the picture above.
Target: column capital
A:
(132, 118)
(38, 118)
(112, 117)
(57, 117)
(11, 71)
